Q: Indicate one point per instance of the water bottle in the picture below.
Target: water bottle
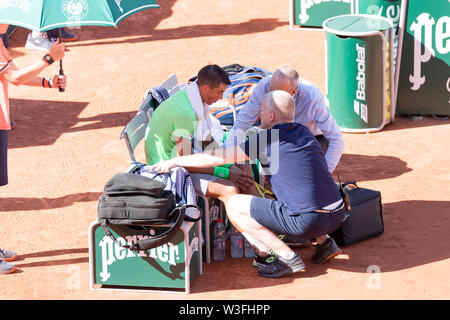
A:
(219, 241)
(214, 213)
(237, 243)
(248, 249)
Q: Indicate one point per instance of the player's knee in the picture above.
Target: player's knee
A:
(229, 190)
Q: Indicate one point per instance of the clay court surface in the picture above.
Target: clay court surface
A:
(66, 146)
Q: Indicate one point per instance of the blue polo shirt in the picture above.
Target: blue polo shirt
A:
(296, 165)
(311, 110)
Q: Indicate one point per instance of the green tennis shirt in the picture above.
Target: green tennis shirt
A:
(173, 119)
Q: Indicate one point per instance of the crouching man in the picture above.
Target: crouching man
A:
(307, 204)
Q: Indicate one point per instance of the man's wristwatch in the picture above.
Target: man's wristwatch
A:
(48, 59)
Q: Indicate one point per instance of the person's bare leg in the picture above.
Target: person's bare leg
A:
(238, 211)
(221, 189)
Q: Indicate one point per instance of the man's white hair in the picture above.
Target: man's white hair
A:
(285, 73)
(281, 103)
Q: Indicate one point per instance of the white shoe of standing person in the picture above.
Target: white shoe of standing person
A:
(38, 41)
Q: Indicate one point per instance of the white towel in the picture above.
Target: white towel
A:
(178, 181)
(207, 127)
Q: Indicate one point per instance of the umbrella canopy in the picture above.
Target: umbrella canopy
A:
(43, 15)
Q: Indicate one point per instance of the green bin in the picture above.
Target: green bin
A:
(359, 66)
(390, 9)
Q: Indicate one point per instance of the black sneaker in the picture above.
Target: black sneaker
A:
(280, 266)
(294, 241)
(260, 261)
(325, 251)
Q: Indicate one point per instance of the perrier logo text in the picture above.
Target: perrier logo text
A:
(305, 5)
(427, 30)
(112, 252)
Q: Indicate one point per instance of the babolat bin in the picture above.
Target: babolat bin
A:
(360, 77)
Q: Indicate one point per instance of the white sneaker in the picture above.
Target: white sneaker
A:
(37, 41)
(7, 255)
(6, 267)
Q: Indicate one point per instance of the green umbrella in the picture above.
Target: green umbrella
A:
(43, 15)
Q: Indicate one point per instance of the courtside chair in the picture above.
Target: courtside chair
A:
(134, 132)
(171, 84)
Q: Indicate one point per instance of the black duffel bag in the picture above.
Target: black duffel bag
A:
(365, 219)
(135, 200)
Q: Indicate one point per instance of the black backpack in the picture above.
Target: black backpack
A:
(135, 200)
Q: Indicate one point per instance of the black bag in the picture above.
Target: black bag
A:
(131, 199)
(365, 219)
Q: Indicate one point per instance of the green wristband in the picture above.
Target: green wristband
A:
(221, 172)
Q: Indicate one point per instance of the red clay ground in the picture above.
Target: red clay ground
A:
(66, 146)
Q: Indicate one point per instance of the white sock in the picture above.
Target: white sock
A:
(289, 256)
(256, 243)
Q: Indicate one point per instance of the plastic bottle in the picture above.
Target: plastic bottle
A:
(237, 243)
(219, 241)
(214, 213)
(248, 249)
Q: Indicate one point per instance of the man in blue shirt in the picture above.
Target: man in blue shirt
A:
(308, 202)
(311, 111)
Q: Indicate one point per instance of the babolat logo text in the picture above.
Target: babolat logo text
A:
(359, 103)
(112, 252)
(307, 4)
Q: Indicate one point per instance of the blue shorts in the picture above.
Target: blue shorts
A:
(275, 216)
(3, 157)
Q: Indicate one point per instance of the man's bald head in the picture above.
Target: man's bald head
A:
(278, 107)
(285, 78)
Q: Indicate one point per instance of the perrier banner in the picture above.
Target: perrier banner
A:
(424, 78)
(169, 266)
(312, 13)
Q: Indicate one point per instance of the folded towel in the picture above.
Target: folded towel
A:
(208, 128)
